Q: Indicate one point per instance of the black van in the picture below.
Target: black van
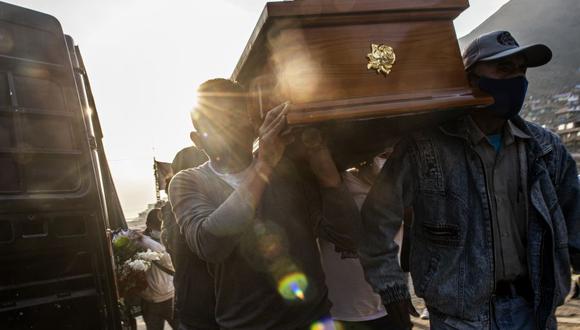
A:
(58, 203)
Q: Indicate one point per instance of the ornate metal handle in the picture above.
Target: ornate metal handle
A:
(381, 58)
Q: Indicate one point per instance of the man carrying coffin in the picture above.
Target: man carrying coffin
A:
(255, 220)
(496, 203)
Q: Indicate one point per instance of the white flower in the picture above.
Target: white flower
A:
(138, 265)
(148, 255)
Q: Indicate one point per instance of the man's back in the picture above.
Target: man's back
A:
(160, 283)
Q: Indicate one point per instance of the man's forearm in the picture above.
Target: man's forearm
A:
(340, 216)
(233, 216)
(341, 221)
(211, 232)
(379, 252)
(324, 168)
(382, 216)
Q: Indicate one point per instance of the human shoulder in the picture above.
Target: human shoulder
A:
(149, 243)
(191, 174)
(412, 139)
(551, 147)
(190, 179)
(542, 135)
(431, 133)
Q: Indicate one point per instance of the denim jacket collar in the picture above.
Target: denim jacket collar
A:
(537, 146)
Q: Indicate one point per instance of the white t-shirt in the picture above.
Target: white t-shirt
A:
(159, 283)
(352, 297)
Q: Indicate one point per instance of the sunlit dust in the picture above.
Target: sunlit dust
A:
(293, 286)
(327, 324)
(298, 71)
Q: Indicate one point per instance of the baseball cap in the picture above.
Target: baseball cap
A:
(501, 44)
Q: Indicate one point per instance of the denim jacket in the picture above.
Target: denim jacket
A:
(439, 175)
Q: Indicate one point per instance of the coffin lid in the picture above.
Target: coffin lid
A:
(319, 12)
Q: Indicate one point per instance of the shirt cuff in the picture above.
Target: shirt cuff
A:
(395, 294)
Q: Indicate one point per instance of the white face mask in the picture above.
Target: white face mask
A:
(156, 234)
(379, 162)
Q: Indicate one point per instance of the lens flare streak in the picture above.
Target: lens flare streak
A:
(297, 291)
(293, 286)
(327, 324)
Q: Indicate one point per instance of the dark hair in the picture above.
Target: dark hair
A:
(215, 89)
(187, 158)
(153, 218)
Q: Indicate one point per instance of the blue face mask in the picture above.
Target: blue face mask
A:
(509, 95)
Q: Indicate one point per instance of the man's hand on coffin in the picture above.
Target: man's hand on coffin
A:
(320, 158)
(398, 313)
(272, 140)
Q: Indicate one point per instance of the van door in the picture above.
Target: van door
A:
(56, 268)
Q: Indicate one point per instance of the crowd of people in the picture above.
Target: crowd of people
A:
(483, 211)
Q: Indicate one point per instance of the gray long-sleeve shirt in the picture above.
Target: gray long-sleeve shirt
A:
(252, 251)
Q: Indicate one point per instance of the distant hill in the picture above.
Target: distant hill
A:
(555, 23)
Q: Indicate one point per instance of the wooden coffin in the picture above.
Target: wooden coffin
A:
(343, 61)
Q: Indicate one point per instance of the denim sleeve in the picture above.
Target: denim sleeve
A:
(210, 232)
(382, 216)
(568, 190)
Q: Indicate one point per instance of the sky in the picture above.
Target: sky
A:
(145, 59)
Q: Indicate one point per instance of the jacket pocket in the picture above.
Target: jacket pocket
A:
(442, 234)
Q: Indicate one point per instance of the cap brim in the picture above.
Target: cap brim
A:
(536, 55)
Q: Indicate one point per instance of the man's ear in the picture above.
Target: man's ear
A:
(196, 139)
(472, 78)
(473, 74)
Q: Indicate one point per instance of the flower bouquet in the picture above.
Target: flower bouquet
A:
(132, 261)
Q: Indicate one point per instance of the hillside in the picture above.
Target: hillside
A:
(555, 23)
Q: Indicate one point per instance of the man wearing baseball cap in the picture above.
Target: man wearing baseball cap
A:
(496, 206)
